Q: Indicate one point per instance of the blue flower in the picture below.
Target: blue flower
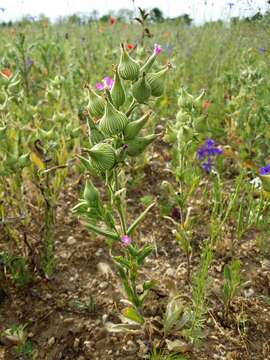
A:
(265, 170)
(206, 153)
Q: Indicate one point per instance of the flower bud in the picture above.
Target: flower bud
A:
(103, 156)
(96, 104)
(95, 136)
(139, 144)
(113, 121)
(141, 90)
(133, 128)
(128, 68)
(91, 194)
(118, 94)
(156, 82)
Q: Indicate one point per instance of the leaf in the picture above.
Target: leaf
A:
(139, 20)
(173, 311)
(179, 346)
(132, 314)
(117, 328)
(37, 161)
(139, 219)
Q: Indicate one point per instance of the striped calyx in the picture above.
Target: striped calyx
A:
(133, 128)
(118, 94)
(149, 62)
(113, 121)
(141, 90)
(91, 194)
(96, 104)
(128, 68)
(137, 145)
(95, 136)
(156, 82)
(103, 156)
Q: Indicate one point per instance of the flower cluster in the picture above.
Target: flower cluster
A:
(206, 153)
(265, 170)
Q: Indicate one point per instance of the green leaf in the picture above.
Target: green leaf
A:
(132, 314)
(139, 219)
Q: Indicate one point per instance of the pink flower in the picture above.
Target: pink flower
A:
(206, 104)
(126, 240)
(157, 49)
(107, 83)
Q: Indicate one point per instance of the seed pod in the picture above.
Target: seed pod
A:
(103, 156)
(128, 68)
(95, 136)
(96, 104)
(141, 90)
(182, 116)
(113, 121)
(150, 61)
(139, 144)
(132, 129)
(156, 82)
(91, 194)
(185, 99)
(118, 94)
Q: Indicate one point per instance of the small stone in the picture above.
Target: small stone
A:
(71, 240)
(248, 293)
(99, 252)
(131, 346)
(68, 320)
(104, 269)
(76, 344)
(51, 341)
(103, 285)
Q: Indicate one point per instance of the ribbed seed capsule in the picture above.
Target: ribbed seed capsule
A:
(150, 61)
(133, 128)
(103, 156)
(91, 194)
(113, 121)
(95, 136)
(96, 104)
(138, 145)
(128, 68)
(118, 94)
(141, 90)
(156, 82)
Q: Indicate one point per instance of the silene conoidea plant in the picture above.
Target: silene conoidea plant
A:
(116, 117)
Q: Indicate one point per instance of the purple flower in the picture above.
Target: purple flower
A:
(265, 170)
(261, 50)
(206, 153)
(175, 214)
(31, 18)
(126, 240)
(207, 166)
(157, 49)
(125, 146)
(107, 83)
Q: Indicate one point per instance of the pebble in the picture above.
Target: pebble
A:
(51, 341)
(99, 252)
(131, 346)
(103, 285)
(71, 240)
(76, 343)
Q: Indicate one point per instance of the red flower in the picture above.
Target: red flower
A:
(206, 104)
(130, 46)
(7, 73)
(112, 20)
